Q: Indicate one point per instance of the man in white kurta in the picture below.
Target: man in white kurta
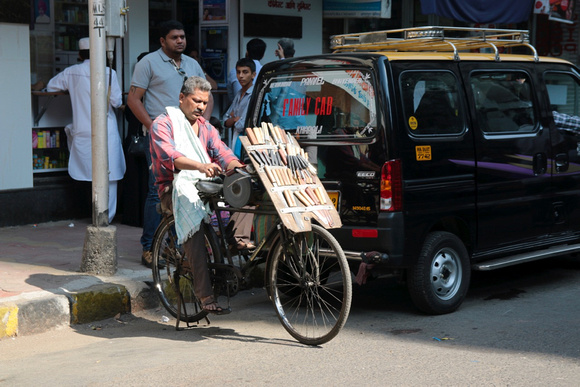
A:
(77, 81)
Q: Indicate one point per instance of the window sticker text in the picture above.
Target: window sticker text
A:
(309, 129)
(321, 106)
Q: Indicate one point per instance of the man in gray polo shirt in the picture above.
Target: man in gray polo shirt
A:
(156, 84)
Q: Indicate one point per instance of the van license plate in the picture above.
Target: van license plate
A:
(335, 198)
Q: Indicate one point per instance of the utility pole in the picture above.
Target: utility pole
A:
(100, 249)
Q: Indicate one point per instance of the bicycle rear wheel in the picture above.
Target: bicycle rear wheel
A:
(310, 285)
(171, 279)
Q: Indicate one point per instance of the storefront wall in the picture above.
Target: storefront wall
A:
(27, 197)
(136, 40)
(558, 39)
(222, 39)
(310, 13)
(15, 149)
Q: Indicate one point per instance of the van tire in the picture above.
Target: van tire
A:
(439, 280)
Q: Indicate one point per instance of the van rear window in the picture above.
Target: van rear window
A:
(320, 105)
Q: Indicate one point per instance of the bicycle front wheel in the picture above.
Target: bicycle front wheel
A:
(310, 285)
(170, 275)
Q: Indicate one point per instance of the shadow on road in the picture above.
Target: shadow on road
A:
(533, 307)
(143, 325)
(252, 314)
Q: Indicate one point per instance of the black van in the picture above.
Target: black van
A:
(440, 149)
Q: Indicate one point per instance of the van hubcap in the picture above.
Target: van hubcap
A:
(445, 274)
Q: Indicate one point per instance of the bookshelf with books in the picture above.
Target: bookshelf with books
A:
(71, 20)
(51, 113)
(49, 150)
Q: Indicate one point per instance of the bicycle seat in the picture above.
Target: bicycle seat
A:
(209, 187)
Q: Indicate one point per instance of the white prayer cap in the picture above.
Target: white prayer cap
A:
(84, 44)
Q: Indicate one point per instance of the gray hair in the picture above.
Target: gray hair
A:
(287, 46)
(195, 83)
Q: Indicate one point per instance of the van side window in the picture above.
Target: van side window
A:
(503, 102)
(431, 103)
(564, 95)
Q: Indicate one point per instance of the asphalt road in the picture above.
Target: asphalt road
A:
(518, 327)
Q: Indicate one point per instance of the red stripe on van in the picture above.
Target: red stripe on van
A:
(367, 233)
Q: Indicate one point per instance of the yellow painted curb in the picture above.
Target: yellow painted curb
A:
(8, 321)
(98, 303)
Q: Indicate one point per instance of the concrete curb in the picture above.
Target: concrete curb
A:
(38, 312)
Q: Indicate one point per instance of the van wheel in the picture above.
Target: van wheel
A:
(439, 281)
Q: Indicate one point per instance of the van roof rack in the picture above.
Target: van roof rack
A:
(433, 38)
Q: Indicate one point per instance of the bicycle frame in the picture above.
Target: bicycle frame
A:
(306, 275)
(255, 258)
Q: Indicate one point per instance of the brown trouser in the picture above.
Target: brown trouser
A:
(195, 252)
(242, 225)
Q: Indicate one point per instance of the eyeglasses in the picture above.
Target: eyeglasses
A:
(179, 69)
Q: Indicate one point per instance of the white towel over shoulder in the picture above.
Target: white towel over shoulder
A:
(188, 209)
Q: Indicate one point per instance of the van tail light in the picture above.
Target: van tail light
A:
(391, 186)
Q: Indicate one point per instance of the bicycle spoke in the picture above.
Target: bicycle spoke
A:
(311, 291)
(174, 279)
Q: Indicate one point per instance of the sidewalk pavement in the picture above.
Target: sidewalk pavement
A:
(41, 286)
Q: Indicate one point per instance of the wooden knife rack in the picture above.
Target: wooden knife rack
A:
(289, 178)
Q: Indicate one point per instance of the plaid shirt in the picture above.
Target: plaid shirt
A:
(566, 122)
(163, 150)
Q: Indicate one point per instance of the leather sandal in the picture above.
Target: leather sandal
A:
(244, 246)
(216, 309)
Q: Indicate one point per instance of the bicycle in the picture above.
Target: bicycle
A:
(307, 276)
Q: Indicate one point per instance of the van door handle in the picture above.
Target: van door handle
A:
(540, 164)
(562, 162)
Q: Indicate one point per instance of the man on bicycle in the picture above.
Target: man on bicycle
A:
(184, 149)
